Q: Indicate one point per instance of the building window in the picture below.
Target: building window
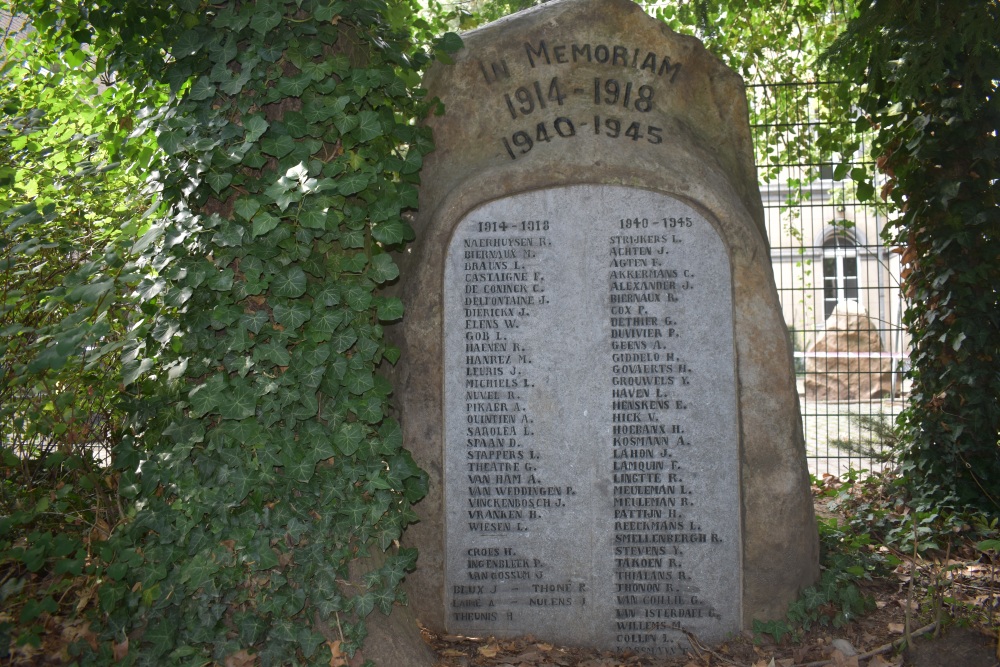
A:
(840, 272)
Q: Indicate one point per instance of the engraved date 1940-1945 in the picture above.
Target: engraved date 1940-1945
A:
(521, 142)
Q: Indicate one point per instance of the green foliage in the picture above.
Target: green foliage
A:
(878, 438)
(264, 468)
(848, 557)
(479, 12)
(68, 208)
(778, 43)
(930, 92)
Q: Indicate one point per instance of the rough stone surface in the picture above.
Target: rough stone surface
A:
(665, 129)
(847, 362)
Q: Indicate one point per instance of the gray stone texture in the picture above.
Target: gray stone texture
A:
(591, 459)
(678, 137)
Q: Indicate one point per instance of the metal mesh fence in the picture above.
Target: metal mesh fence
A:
(837, 283)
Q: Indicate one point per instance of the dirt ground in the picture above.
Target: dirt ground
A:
(873, 641)
(955, 610)
(954, 602)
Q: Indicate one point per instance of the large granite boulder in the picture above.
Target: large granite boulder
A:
(847, 361)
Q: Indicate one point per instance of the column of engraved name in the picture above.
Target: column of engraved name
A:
(653, 503)
(503, 291)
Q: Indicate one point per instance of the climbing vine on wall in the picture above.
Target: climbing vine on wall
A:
(930, 94)
(263, 461)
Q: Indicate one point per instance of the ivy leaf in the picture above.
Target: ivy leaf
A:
(273, 351)
(218, 181)
(241, 401)
(391, 232)
(263, 555)
(246, 207)
(327, 321)
(290, 283)
(171, 140)
(254, 321)
(307, 407)
(312, 376)
(229, 18)
(293, 315)
(90, 292)
(132, 369)
(296, 124)
(357, 297)
(326, 12)
(202, 89)
(383, 209)
(313, 218)
(222, 281)
(235, 84)
(347, 438)
(353, 183)
(345, 122)
(382, 268)
(205, 397)
(369, 126)
(293, 86)
(354, 262)
(254, 127)
(283, 196)
(363, 604)
(391, 353)
(189, 43)
(265, 20)
(263, 223)
(391, 433)
(343, 340)
(448, 42)
(279, 146)
(229, 235)
(414, 160)
(358, 381)
(299, 469)
(370, 410)
(353, 238)
(385, 597)
(865, 191)
(389, 309)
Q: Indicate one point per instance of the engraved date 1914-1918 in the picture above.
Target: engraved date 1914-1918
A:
(564, 128)
(608, 92)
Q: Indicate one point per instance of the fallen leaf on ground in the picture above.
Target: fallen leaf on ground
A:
(529, 656)
(119, 650)
(337, 657)
(242, 658)
(76, 631)
(897, 628)
(489, 651)
(838, 659)
(454, 653)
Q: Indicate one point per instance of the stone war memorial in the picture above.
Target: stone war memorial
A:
(595, 371)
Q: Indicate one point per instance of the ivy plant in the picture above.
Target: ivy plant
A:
(261, 463)
(930, 93)
(273, 462)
